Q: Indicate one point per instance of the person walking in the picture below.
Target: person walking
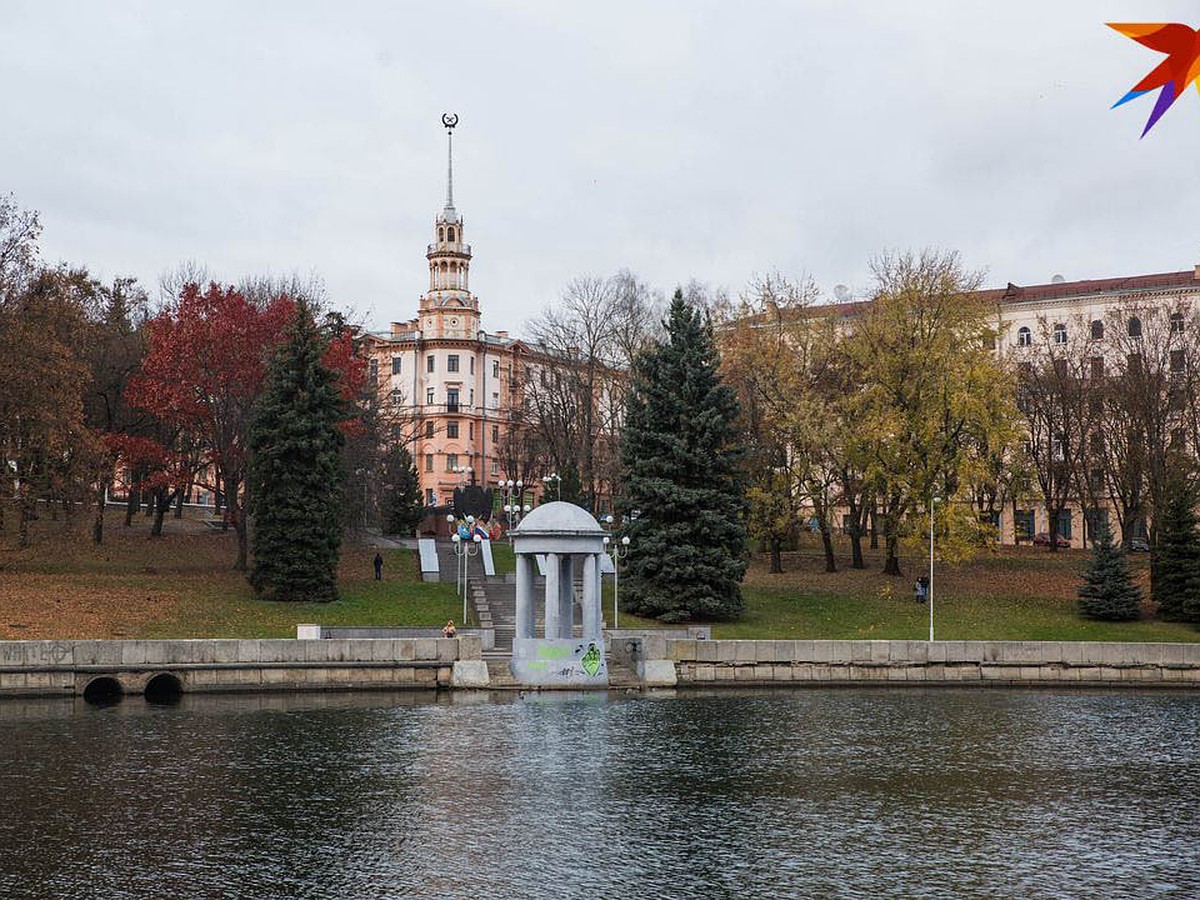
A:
(378, 567)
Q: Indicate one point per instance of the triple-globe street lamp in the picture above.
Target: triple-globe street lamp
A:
(513, 496)
(464, 549)
(618, 550)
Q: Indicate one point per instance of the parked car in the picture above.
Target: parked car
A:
(1043, 540)
(1139, 545)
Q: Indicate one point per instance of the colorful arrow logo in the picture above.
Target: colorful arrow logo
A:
(1173, 74)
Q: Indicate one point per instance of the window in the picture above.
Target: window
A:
(495, 434)
(452, 400)
(430, 499)
(1133, 363)
(1134, 326)
(471, 430)
(1097, 366)
(1060, 368)
(1023, 524)
(429, 363)
(1177, 362)
(396, 365)
(1177, 323)
(451, 462)
(471, 397)
(450, 233)
(495, 467)
(1097, 481)
(1097, 330)
(397, 397)
(496, 368)
(1024, 337)
(429, 396)
(1064, 524)
(428, 462)
(1058, 447)
(1060, 333)
(495, 400)
(990, 520)
(1025, 371)
(471, 360)
(1097, 441)
(1095, 523)
(441, 234)
(1178, 436)
(452, 429)
(373, 370)
(452, 362)
(429, 428)
(1096, 405)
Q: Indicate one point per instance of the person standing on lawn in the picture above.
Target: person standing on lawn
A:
(379, 567)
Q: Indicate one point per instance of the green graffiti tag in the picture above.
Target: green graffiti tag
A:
(544, 652)
(591, 660)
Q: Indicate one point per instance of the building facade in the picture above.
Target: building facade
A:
(448, 389)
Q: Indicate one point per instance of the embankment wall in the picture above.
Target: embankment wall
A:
(66, 668)
(711, 663)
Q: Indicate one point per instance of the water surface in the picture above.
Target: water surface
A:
(840, 793)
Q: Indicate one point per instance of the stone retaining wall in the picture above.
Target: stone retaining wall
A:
(711, 663)
(65, 668)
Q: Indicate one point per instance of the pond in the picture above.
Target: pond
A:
(816, 792)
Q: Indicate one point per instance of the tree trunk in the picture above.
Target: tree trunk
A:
(237, 517)
(776, 556)
(132, 502)
(856, 555)
(891, 565)
(163, 501)
(27, 513)
(98, 522)
(179, 503)
(874, 531)
(827, 544)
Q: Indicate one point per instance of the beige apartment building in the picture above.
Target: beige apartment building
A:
(448, 387)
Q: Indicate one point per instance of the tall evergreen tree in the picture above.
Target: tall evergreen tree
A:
(294, 470)
(1175, 585)
(682, 480)
(402, 507)
(1108, 591)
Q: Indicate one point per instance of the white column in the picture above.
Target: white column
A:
(566, 599)
(525, 599)
(553, 577)
(591, 597)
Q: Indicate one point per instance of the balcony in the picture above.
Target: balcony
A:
(459, 250)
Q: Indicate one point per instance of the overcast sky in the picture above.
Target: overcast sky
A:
(706, 140)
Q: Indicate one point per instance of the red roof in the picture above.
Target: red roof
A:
(1126, 284)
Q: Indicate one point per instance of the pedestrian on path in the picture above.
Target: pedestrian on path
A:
(379, 567)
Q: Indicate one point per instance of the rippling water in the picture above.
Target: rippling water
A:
(849, 793)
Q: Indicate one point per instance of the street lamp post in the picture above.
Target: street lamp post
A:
(464, 550)
(618, 551)
(557, 479)
(513, 492)
(932, 502)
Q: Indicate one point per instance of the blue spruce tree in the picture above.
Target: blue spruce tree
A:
(681, 479)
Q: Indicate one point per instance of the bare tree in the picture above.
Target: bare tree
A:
(577, 384)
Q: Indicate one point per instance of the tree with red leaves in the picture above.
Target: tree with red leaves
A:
(208, 358)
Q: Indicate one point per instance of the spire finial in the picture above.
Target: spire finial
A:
(449, 120)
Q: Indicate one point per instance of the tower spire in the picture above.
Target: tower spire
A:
(450, 120)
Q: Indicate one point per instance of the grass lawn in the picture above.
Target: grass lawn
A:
(1023, 593)
(183, 585)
